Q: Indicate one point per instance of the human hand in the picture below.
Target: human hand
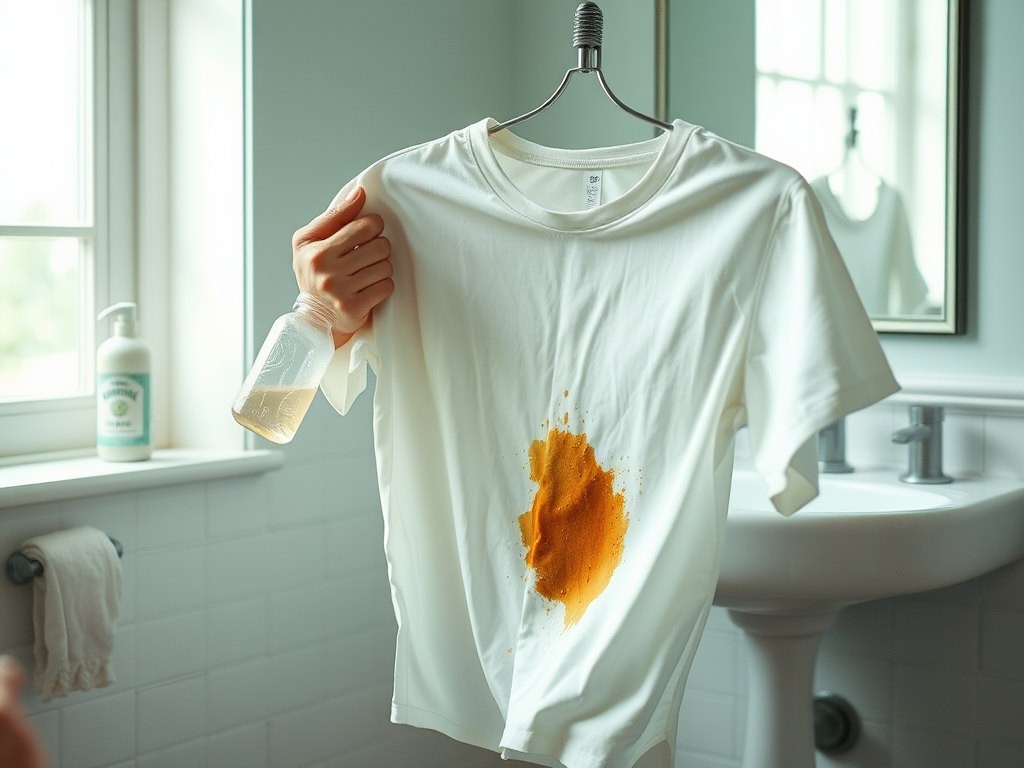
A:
(346, 260)
(19, 745)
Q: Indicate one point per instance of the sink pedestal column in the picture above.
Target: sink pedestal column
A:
(782, 651)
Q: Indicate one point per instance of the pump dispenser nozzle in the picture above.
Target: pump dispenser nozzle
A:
(124, 312)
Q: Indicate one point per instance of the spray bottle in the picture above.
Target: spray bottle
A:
(284, 378)
(122, 390)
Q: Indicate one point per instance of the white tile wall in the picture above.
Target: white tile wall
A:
(236, 631)
(911, 749)
(934, 699)
(170, 647)
(47, 727)
(174, 515)
(999, 755)
(237, 505)
(936, 633)
(707, 723)
(256, 630)
(299, 678)
(244, 747)
(238, 695)
(1000, 704)
(170, 581)
(1002, 634)
(171, 713)
(98, 732)
(192, 753)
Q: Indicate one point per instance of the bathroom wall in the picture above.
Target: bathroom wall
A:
(711, 53)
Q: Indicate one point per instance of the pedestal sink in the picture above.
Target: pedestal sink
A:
(867, 536)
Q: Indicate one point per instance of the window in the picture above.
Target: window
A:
(66, 210)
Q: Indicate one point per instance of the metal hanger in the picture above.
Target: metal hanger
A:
(587, 31)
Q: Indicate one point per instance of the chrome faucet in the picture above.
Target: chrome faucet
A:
(832, 449)
(924, 437)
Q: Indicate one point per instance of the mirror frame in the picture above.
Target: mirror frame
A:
(953, 320)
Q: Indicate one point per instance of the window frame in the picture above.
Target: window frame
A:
(68, 424)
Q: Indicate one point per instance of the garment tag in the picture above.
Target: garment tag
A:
(592, 188)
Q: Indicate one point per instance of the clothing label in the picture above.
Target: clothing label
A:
(592, 188)
(122, 409)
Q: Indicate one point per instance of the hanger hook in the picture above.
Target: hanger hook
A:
(854, 134)
(587, 34)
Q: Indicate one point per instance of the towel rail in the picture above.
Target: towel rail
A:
(21, 570)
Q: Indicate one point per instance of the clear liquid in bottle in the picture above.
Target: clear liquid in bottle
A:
(286, 374)
(274, 412)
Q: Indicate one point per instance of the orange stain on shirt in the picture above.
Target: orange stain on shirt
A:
(576, 529)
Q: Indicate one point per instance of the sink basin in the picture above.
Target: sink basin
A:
(839, 495)
(866, 536)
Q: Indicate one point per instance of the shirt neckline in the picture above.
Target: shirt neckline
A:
(665, 151)
(830, 201)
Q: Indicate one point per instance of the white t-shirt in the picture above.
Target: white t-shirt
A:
(557, 391)
(879, 252)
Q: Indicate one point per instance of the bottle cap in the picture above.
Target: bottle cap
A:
(124, 313)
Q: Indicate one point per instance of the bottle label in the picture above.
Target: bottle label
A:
(122, 409)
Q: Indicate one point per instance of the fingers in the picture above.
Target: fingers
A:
(355, 233)
(357, 307)
(356, 294)
(11, 679)
(19, 745)
(366, 255)
(367, 276)
(333, 219)
(344, 256)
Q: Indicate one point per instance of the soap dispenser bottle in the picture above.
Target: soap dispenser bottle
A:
(122, 390)
(284, 378)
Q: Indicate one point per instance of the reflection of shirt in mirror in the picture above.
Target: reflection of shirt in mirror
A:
(878, 252)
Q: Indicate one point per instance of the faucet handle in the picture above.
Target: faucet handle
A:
(927, 414)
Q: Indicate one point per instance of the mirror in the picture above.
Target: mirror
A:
(866, 99)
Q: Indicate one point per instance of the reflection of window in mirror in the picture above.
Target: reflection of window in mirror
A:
(817, 60)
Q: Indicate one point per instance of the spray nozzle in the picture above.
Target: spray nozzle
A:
(124, 313)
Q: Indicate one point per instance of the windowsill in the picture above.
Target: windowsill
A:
(89, 476)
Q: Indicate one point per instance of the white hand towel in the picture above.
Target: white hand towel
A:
(75, 608)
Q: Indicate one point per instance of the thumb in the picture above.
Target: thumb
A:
(335, 217)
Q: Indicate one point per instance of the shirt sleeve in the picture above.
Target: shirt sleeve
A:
(813, 356)
(345, 378)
